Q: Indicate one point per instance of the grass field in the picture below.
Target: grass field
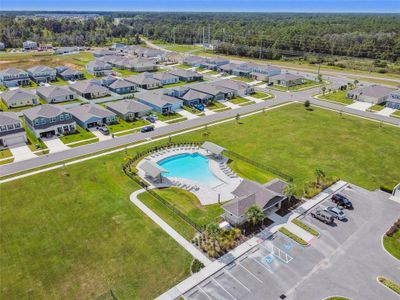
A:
(392, 244)
(73, 234)
(308, 84)
(80, 135)
(171, 117)
(124, 125)
(30, 59)
(177, 47)
(338, 96)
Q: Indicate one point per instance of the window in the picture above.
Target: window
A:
(61, 117)
(52, 120)
(3, 128)
(10, 126)
(67, 117)
(37, 122)
(17, 125)
(43, 121)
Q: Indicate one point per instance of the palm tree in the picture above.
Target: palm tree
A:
(289, 191)
(355, 83)
(213, 231)
(320, 175)
(323, 90)
(255, 214)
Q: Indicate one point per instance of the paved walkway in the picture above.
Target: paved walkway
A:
(230, 104)
(360, 105)
(387, 111)
(293, 228)
(187, 114)
(22, 152)
(196, 253)
(55, 144)
(256, 100)
(208, 112)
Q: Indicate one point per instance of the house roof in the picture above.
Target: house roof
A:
(214, 148)
(228, 66)
(249, 193)
(375, 91)
(128, 106)
(210, 88)
(286, 77)
(40, 68)
(120, 83)
(193, 94)
(87, 111)
(13, 71)
(88, 86)
(7, 118)
(70, 71)
(231, 84)
(152, 169)
(17, 94)
(141, 79)
(184, 73)
(54, 91)
(45, 111)
(164, 76)
(99, 64)
(157, 99)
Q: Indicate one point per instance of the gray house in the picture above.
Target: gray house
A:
(239, 88)
(193, 97)
(55, 94)
(186, 75)
(29, 45)
(250, 193)
(48, 120)
(373, 94)
(129, 110)
(160, 102)
(11, 130)
(287, 79)
(13, 77)
(92, 115)
(394, 100)
(69, 73)
(19, 97)
(144, 81)
(42, 74)
(121, 86)
(166, 78)
(89, 89)
(99, 68)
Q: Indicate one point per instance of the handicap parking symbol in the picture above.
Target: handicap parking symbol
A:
(288, 246)
(269, 259)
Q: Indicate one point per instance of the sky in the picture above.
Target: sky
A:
(390, 6)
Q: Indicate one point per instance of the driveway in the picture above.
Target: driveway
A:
(22, 152)
(101, 136)
(55, 144)
(387, 111)
(344, 260)
(187, 114)
(360, 105)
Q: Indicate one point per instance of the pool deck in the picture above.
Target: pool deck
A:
(206, 194)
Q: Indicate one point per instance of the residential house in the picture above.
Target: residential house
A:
(194, 61)
(55, 93)
(174, 57)
(136, 64)
(218, 92)
(158, 55)
(166, 78)
(11, 131)
(99, 68)
(213, 63)
(129, 110)
(19, 98)
(45, 47)
(66, 50)
(13, 77)
(92, 115)
(90, 89)
(228, 68)
(249, 193)
(239, 88)
(104, 52)
(186, 75)
(2, 46)
(48, 120)
(375, 94)
(29, 45)
(286, 79)
(144, 81)
(118, 46)
(160, 102)
(42, 74)
(192, 97)
(121, 86)
(394, 100)
(253, 70)
(69, 73)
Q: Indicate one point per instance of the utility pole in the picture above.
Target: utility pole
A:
(223, 35)
(209, 34)
(261, 44)
(203, 37)
(173, 32)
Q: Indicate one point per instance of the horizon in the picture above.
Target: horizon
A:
(256, 6)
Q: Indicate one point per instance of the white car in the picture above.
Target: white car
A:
(336, 213)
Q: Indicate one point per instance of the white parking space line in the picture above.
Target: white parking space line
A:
(279, 255)
(223, 289)
(237, 280)
(204, 292)
(262, 265)
(239, 264)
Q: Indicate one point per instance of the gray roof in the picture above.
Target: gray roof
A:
(128, 106)
(88, 86)
(45, 111)
(286, 77)
(374, 91)
(121, 83)
(214, 148)
(164, 76)
(17, 94)
(13, 71)
(141, 79)
(231, 84)
(99, 64)
(228, 66)
(193, 94)
(152, 169)
(7, 118)
(54, 91)
(210, 88)
(276, 185)
(250, 193)
(158, 99)
(40, 68)
(184, 73)
(70, 71)
(88, 111)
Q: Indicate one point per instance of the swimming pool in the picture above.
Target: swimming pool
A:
(190, 166)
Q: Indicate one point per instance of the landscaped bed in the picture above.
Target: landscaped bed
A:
(293, 236)
(305, 227)
(390, 284)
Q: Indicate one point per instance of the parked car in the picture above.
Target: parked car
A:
(323, 216)
(336, 212)
(199, 107)
(151, 119)
(341, 200)
(154, 117)
(103, 129)
(147, 128)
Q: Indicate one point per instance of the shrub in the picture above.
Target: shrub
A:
(305, 227)
(293, 236)
(386, 189)
(196, 266)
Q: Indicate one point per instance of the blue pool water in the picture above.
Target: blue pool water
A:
(190, 166)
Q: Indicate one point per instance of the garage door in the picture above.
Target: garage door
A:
(12, 141)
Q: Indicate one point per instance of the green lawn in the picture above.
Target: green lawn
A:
(33, 142)
(308, 84)
(377, 107)
(239, 100)
(179, 83)
(176, 120)
(392, 244)
(246, 170)
(80, 135)
(59, 81)
(177, 47)
(125, 73)
(337, 96)
(5, 153)
(396, 114)
(124, 125)
(164, 118)
(212, 72)
(215, 105)
(181, 66)
(261, 95)
(79, 236)
(244, 79)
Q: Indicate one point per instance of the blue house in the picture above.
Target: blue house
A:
(159, 102)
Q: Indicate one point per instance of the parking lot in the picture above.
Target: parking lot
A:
(344, 260)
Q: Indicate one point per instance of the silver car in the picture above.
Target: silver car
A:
(336, 212)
